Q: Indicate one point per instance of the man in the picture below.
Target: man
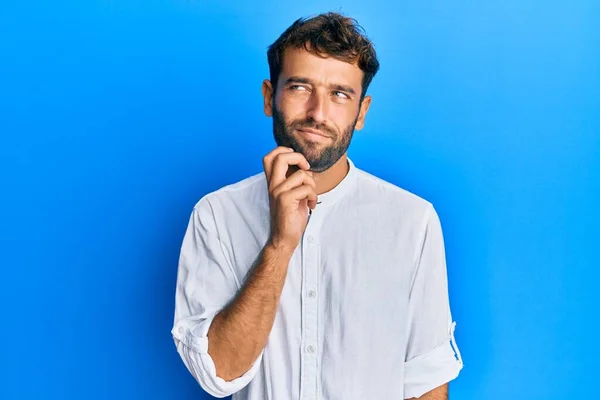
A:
(315, 279)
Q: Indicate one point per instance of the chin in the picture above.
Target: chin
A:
(318, 168)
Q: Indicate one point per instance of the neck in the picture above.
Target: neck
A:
(329, 179)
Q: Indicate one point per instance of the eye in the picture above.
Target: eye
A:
(340, 95)
(298, 88)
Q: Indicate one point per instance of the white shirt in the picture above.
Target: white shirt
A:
(364, 312)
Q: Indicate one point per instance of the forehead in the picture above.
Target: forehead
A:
(300, 62)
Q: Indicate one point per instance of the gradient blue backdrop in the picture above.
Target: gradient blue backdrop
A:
(117, 116)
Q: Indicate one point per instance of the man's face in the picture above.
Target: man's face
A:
(316, 106)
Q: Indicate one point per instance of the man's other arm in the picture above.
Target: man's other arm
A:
(439, 393)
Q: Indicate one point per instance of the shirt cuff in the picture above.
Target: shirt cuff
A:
(432, 369)
(192, 334)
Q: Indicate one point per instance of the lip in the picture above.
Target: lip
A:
(312, 134)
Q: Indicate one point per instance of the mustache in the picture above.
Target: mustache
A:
(313, 125)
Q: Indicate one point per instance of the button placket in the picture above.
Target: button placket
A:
(310, 315)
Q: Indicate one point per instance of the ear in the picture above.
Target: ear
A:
(362, 113)
(267, 92)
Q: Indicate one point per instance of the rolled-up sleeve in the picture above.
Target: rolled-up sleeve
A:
(432, 356)
(206, 282)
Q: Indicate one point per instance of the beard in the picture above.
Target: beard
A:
(320, 158)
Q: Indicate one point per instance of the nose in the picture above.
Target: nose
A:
(318, 107)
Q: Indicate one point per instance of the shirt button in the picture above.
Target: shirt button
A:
(311, 239)
(312, 294)
(310, 349)
(181, 329)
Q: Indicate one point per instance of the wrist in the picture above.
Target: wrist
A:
(280, 247)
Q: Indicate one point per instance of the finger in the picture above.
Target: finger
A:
(268, 159)
(299, 178)
(281, 164)
(300, 193)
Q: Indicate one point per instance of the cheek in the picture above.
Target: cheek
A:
(292, 109)
(293, 105)
(343, 117)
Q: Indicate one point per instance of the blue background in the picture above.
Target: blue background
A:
(117, 116)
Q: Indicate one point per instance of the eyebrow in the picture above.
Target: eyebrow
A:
(335, 86)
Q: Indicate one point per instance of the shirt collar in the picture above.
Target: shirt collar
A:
(328, 198)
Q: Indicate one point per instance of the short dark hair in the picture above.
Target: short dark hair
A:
(326, 35)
